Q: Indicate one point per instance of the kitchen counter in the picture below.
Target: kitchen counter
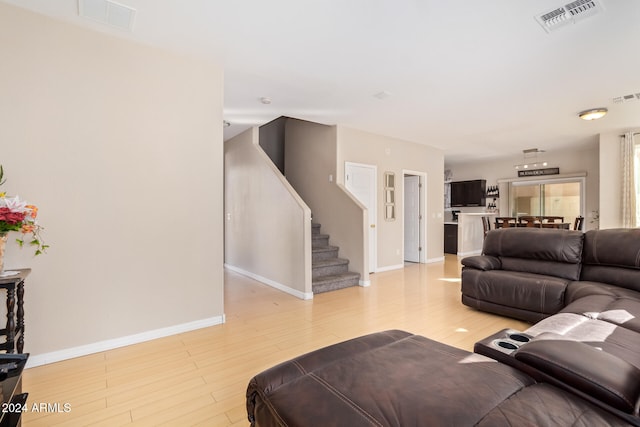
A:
(471, 232)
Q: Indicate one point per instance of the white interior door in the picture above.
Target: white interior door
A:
(412, 218)
(360, 180)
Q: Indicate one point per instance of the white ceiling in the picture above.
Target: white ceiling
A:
(478, 79)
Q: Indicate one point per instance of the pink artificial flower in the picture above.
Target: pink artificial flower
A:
(11, 217)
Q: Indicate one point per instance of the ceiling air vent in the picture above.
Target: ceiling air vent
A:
(626, 98)
(108, 12)
(570, 13)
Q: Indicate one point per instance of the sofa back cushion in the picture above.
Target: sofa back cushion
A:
(612, 256)
(533, 250)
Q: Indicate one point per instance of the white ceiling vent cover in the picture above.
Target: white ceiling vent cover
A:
(626, 98)
(570, 13)
(108, 12)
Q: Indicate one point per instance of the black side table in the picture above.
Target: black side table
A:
(14, 401)
(14, 330)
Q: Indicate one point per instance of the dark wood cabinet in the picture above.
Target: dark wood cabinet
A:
(14, 401)
(14, 330)
(451, 238)
(469, 193)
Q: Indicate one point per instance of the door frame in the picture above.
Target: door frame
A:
(372, 247)
(423, 211)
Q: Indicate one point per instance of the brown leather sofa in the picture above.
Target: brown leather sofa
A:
(530, 274)
(393, 378)
(579, 365)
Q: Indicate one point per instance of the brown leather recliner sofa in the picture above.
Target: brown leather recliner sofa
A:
(579, 287)
(578, 366)
(394, 378)
(530, 274)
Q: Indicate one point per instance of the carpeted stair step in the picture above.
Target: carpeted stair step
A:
(320, 253)
(335, 282)
(315, 228)
(328, 267)
(319, 240)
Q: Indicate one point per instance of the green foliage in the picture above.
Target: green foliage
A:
(6, 227)
(2, 180)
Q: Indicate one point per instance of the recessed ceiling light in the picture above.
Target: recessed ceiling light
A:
(265, 100)
(593, 114)
(382, 95)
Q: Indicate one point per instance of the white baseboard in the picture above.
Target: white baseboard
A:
(478, 252)
(83, 350)
(273, 284)
(432, 260)
(364, 283)
(389, 268)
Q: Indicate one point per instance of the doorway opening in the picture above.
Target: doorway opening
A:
(413, 218)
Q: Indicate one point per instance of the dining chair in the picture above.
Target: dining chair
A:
(530, 221)
(548, 219)
(578, 223)
(486, 225)
(506, 221)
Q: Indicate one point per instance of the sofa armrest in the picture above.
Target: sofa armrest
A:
(602, 375)
(482, 262)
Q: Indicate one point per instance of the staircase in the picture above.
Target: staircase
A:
(329, 272)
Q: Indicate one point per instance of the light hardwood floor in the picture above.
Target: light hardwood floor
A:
(200, 377)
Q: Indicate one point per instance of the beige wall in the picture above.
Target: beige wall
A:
(394, 155)
(310, 161)
(267, 225)
(584, 159)
(120, 146)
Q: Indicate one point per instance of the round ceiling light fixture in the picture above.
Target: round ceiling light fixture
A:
(593, 114)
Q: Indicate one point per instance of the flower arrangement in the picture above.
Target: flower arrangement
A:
(17, 215)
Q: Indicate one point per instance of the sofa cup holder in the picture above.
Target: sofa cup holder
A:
(511, 341)
(521, 338)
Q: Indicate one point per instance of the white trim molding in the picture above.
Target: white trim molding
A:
(364, 283)
(272, 283)
(469, 253)
(97, 347)
(432, 260)
(389, 268)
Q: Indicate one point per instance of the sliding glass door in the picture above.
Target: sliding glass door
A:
(549, 197)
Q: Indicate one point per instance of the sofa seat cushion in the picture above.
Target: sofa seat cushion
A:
(583, 288)
(608, 337)
(383, 379)
(619, 310)
(529, 292)
(545, 405)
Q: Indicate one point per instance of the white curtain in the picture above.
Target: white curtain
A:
(628, 181)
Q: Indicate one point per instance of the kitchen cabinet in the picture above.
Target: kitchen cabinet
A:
(451, 238)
